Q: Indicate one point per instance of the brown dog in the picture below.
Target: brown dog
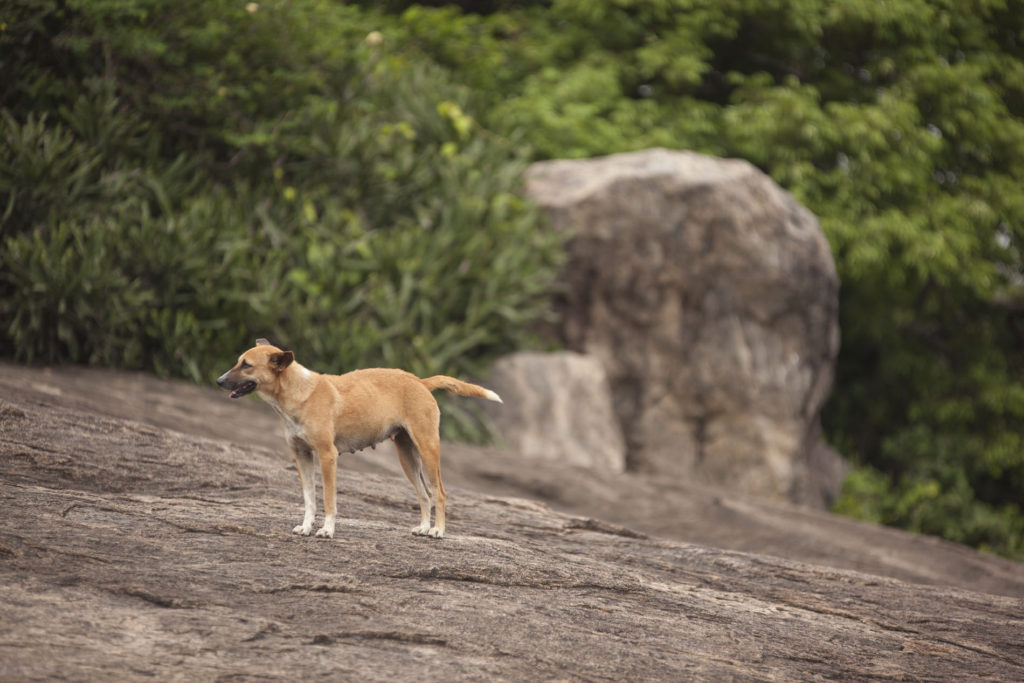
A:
(331, 414)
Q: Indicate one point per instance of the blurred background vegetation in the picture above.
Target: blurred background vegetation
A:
(178, 177)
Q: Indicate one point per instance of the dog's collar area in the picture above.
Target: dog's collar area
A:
(242, 389)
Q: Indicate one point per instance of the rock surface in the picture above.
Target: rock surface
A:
(711, 298)
(557, 406)
(129, 551)
(651, 504)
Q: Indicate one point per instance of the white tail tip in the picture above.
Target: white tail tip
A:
(491, 396)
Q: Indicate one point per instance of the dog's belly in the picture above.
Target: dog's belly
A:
(297, 437)
(350, 443)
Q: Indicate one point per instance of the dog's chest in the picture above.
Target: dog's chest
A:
(292, 430)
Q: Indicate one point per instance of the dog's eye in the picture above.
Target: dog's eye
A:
(245, 365)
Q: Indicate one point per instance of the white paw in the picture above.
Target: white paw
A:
(435, 532)
(303, 529)
(421, 530)
(324, 532)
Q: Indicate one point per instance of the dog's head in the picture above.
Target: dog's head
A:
(258, 367)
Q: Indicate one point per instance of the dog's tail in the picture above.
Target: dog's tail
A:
(456, 386)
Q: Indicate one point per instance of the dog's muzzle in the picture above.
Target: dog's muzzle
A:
(237, 389)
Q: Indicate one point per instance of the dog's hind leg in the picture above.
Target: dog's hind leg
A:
(409, 457)
(305, 464)
(430, 455)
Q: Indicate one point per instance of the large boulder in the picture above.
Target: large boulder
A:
(557, 406)
(711, 297)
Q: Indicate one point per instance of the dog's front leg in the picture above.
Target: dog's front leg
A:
(304, 462)
(329, 472)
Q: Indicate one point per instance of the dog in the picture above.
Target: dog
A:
(330, 414)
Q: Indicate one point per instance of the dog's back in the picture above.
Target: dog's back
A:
(377, 399)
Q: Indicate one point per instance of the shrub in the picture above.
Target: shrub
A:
(273, 174)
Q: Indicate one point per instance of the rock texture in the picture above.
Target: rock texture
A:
(131, 551)
(710, 296)
(557, 406)
(651, 504)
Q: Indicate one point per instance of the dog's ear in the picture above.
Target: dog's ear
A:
(262, 342)
(282, 360)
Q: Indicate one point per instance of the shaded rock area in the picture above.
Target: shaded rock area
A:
(131, 549)
(557, 406)
(711, 298)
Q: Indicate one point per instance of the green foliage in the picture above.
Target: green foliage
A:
(901, 124)
(178, 179)
(945, 506)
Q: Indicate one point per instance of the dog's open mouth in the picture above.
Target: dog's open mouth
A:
(243, 389)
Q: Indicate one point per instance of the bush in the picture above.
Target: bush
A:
(292, 180)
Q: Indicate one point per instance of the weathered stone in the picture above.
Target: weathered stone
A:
(557, 406)
(130, 551)
(711, 298)
(652, 504)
